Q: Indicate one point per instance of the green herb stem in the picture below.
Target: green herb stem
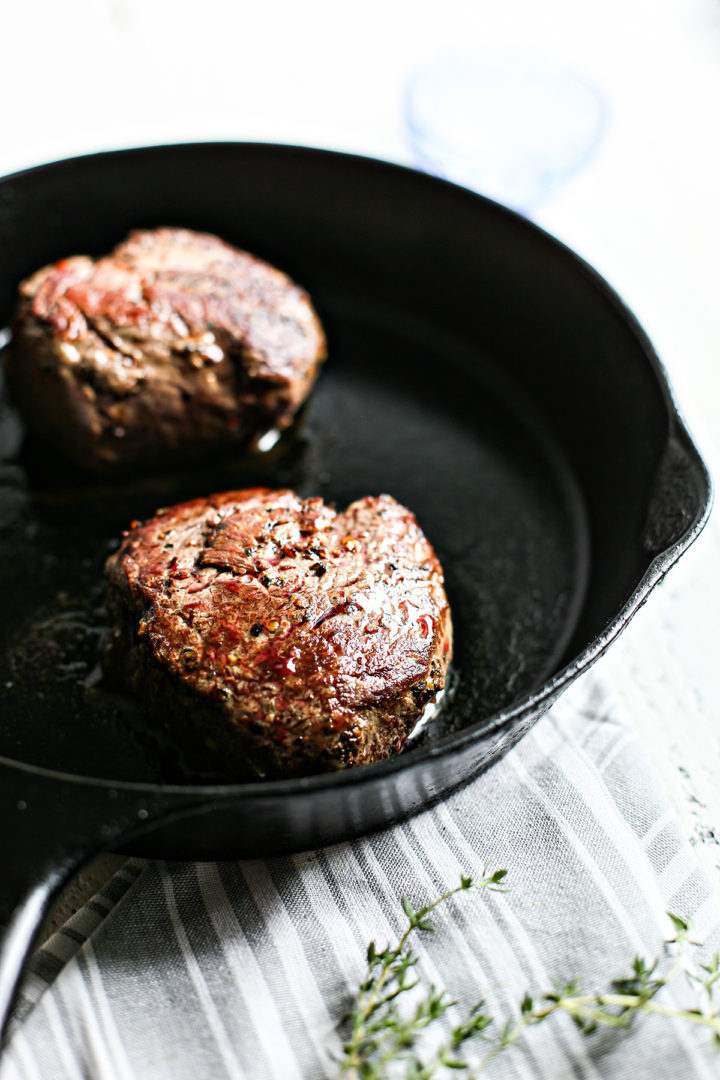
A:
(381, 1037)
(585, 1006)
(373, 1044)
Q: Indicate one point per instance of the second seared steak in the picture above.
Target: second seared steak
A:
(174, 344)
(269, 632)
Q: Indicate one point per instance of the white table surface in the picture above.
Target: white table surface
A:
(85, 75)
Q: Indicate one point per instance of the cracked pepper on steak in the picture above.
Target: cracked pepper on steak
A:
(270, 633)
(173, 345)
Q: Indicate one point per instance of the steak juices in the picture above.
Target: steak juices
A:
(267, 634)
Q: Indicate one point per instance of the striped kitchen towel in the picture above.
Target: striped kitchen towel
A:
(243, 969)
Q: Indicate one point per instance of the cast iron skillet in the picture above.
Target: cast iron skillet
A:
(479, 371)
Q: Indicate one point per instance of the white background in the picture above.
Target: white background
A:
(82, 75)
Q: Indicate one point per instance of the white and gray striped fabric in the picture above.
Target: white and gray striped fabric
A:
(242, 969)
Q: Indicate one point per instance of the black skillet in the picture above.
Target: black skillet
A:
(478, 371)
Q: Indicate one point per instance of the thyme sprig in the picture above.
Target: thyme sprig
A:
(378, 1033)
(381, 1039)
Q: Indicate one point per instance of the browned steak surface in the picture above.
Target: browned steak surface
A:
(174, 344)
(266, 629)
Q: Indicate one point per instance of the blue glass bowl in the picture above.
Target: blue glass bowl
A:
(509, 126)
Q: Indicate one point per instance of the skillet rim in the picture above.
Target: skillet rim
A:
(451, 745)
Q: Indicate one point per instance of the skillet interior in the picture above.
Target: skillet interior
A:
(400, 408)
(479, 372)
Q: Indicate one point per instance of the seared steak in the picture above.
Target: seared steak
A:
(174, 344)
(269, 632)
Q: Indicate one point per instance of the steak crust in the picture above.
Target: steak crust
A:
(173, 345)
(268, 632)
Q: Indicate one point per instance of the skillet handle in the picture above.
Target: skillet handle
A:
(50, 828)
(681, 496)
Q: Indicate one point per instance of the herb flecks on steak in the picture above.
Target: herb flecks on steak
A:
(266, 629)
